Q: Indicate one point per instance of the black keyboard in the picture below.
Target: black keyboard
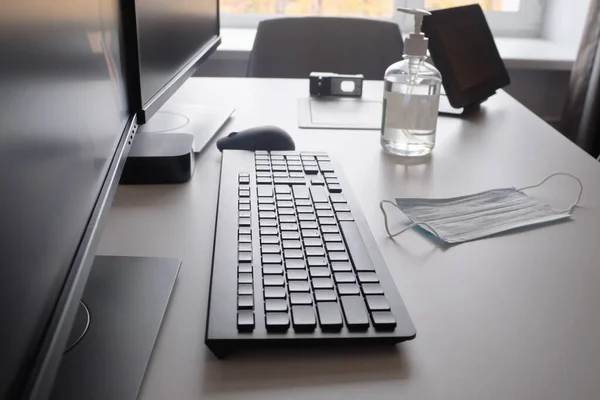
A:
(294, 261)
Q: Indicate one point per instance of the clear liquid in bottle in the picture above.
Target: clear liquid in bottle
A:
(410, 107)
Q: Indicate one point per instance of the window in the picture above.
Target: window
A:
(521, 18)
(506, 17)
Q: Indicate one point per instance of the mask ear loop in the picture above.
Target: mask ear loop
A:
(393, 235)
(572, 207)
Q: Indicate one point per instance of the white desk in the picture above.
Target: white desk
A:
(512, 317)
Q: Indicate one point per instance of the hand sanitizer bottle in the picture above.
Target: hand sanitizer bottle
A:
(411, 97)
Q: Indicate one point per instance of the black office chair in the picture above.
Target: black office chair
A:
(581, 116)
(295, 47)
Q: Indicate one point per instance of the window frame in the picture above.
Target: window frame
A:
(526, 23)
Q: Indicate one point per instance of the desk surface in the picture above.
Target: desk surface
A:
(511, 317)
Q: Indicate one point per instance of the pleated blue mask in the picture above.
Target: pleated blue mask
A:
(467, 218)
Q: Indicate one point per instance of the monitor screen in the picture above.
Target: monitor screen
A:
(171, 34)
(63, 111)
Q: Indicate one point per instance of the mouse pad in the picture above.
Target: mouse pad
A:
(339, 113)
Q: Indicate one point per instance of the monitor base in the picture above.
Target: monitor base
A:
(202, 122)
(127, 298)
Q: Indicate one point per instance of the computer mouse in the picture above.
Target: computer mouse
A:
(267, 138)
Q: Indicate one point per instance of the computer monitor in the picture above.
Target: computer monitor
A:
(166, 41)
(64, 136)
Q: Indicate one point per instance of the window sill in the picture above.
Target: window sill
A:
(517, 53)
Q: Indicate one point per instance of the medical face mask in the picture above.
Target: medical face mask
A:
(466, 218)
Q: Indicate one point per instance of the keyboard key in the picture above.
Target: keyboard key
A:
(322, 283)
(313, 242)
(319, 272)
(315, 251)
(307, 217)
(283, 189)
(307, 233)
(244, 193)
(287, 219)
(300, 298)
(344, 216)
(267, 214)
(325, 295)
(264, 191)
(271, 239)
(322, 206)
(367, 277)
(309, 225)
(266, 207)
(355, 313)
(266, 200)
(244, 207)
(290, 181)
(275, 292)
(263, 168)
(263, 174)
(316, 261)
(326, 166)
(244, 256)
(273, 280)
(303, 203)
(319, 194)
(286, 211)
(245, 288)
(335, 188)
(298, 286)
(287, 254)
(270, 249)
(280, 174)
(244, 268)
(271, 259)
(285, 204)
(290, 235)
(327, 221)
(245, 302)
(272, 269)
(341, 207)
(267, 222)
(288, 227)
(274, 305)
(340, 266)
(383, 320)
(310, 169)
(325, 213)
(317, 182)
(245, 278)
(260, 180)
(244, 222)
(337, 198)
(338, 256)
(377, 303)
(295, 264)
(278, 168)
(332, 181)
(244, 230)
(244, 214)
(244, 178)
(348, 289)
(303, 318)
(356, 247)
(245, 247)
(330, 317)
(284, 197)
(300, 192)
(295, 169)
(332, 237)
(372, 288)
(277, 322)
(344, 277)
(297, 275)
(245, 321)
(292, 244)
(269, 231)
(304, 209)
(335, 246)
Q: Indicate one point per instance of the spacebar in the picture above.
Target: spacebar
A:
(356, 246)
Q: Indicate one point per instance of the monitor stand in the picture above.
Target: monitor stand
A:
(111, 341)
(203, 122)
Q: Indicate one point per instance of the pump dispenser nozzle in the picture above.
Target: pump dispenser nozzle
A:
(416, 43)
